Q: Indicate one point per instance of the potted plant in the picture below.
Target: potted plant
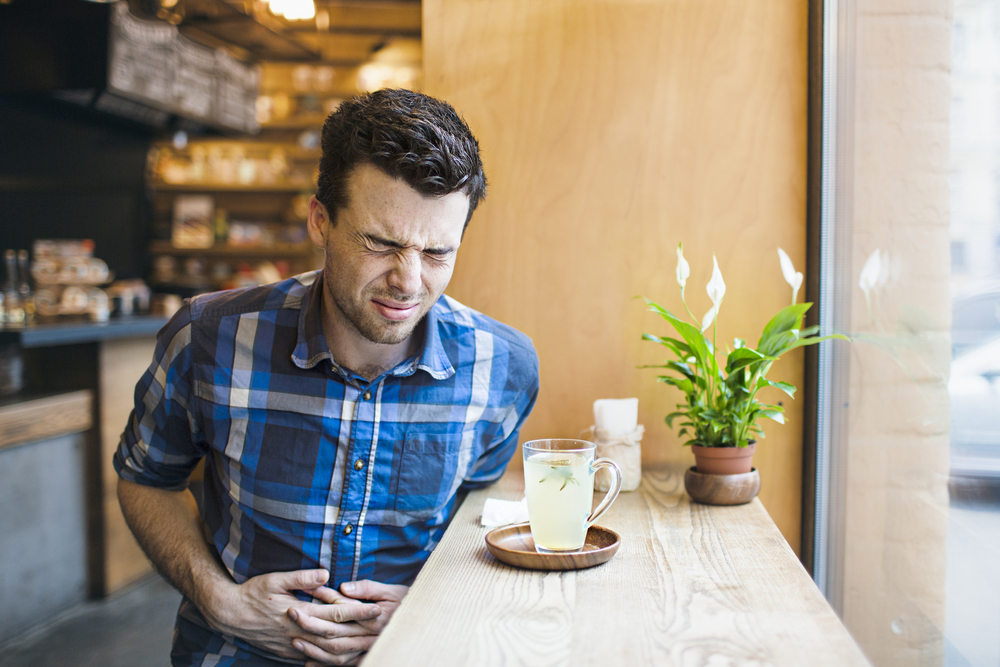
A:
(721, 411)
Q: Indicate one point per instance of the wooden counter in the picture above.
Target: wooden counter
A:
(80, 377)
(42, 417)
(691, 585)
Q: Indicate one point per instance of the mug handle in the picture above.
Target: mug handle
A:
(609, 497)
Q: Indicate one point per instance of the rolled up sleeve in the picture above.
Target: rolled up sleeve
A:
(162, 441)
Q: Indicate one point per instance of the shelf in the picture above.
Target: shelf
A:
(235, 251)
(232, 187)
(62, 332)
(297, 122)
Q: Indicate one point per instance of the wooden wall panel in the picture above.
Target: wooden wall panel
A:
(611, 131)
(121, 364)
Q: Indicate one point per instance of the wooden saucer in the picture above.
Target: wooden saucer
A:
(513, 545)
(722, 489)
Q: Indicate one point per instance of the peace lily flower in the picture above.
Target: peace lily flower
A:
(683, 270)
(721, 407)
(716, 290)
(792, 277)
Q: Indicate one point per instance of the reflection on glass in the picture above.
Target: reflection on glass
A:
(973, 584)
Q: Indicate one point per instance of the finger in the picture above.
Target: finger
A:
(298, 580)
(328, 595)
(356, 661)
(335, 651)
(341, 613)
(326, 629)
(322, 658)
(373, 590)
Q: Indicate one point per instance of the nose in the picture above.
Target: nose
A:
(405, 276)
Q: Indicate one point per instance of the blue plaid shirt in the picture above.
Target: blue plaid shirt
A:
(307, 463)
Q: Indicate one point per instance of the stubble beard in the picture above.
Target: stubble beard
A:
(371, 325)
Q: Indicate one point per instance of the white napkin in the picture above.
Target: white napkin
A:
(502, 512)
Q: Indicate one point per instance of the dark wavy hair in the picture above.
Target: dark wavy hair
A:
(407, 135)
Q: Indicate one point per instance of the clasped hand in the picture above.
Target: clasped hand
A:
(335, 631)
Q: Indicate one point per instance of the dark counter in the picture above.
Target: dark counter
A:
(68, 333)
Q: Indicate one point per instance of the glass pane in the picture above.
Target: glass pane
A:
(972, 629)
(915, 444)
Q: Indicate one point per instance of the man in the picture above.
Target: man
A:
(340, 413)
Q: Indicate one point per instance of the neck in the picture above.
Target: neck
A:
(357, 353)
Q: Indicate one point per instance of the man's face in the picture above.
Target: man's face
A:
(389, 256)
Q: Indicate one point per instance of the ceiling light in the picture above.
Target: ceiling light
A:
(323, 20)
(293, 10)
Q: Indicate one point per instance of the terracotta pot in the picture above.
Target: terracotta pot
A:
(723, 460)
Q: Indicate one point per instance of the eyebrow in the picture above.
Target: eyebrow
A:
(400, 246)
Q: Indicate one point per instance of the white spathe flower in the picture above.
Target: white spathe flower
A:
(683, 270)
(792, 277)
(870, 272)
(716, 290)
(706, 321)
(716, 286)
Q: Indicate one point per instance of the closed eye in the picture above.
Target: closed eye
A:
(387, 246)
(380, 245)
(439, 254)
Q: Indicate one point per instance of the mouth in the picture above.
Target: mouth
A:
(395, 310)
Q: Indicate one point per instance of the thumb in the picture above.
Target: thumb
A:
(298, 580)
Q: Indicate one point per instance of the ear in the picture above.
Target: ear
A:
(318, 223)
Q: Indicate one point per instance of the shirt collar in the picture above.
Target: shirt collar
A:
(311, 347)
(432, 357)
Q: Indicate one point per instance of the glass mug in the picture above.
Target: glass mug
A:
(559, 485)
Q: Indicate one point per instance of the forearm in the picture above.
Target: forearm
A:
(167, 526)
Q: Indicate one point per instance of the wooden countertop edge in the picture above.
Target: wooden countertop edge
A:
(46, 417)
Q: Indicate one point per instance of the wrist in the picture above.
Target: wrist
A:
(217, 600)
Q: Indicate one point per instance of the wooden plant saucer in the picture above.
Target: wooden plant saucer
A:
(513, 545)
(722, 489)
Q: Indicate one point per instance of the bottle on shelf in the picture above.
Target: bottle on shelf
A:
(24, 289)
(11, 295)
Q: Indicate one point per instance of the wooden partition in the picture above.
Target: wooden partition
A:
(611, 131)
(121, 364)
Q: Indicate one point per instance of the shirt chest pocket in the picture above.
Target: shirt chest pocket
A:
(429, 469)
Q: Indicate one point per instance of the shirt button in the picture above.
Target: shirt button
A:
(368, 395)
(348, 529)
(359, 464)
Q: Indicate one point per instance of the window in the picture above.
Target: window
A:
(908, 453)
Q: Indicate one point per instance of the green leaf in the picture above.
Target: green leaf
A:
(783, 386)
(700, 348)
(788, 318)
(773, 414)
(672, 416)
(681, 383)
(812, 341)
(781, 342)
(741, 357)
(681, 368)
(680, 348)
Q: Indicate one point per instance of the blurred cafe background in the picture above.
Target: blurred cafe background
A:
(152, 150)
